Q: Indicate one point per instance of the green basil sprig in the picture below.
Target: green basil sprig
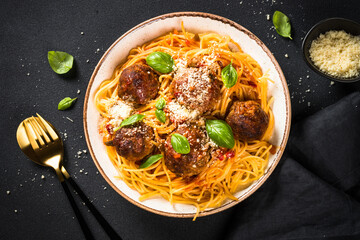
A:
(282, 24)
(130, 121)
(229, 75)
(160, 115)
(221, 133)
(160, 104)
(60, 62)
(65, 103)
(151, 160)
(160, 61)
(180, 143)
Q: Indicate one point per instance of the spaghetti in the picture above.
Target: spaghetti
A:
(229, 170)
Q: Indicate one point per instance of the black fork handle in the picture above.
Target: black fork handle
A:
(80, 218)
(102, 221)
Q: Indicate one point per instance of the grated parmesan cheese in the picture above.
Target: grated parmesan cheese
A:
(337, 53)
(180, 63)
(119, 111)
(212, 143)
(180, 113)
(194, 87)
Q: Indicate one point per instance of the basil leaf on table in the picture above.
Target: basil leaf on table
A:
(130, 120)
(282, 24)
(160, 104)
(221, 133)
(160, 61)
(160, 115)
(65, 103)
(180, 143)
(151, 160)
(229, 76)
(60, 62)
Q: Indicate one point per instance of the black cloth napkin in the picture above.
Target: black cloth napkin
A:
(314, 193)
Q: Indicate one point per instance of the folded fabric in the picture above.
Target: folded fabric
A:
(305, 197)
(328, 143)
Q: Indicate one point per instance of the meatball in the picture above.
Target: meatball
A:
(247, 120)
(187, 165)
(134, 142)
(196, 89)
(138, 84)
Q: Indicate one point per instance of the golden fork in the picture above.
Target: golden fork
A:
(40, 141)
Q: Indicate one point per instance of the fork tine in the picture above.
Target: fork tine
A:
(39, 139)
(40, 130)
(31, 135)
(48, 128)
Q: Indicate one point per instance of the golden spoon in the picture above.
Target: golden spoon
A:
(39, 140)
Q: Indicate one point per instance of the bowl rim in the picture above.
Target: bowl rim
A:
(310, 63)
(281, 147)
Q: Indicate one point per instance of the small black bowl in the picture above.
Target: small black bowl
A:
(323, 26)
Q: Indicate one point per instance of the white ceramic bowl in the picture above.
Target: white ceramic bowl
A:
(194, 22)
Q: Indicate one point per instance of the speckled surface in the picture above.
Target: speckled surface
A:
(36, 207)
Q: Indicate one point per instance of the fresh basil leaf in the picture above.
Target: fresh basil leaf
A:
(221, 133)
(180, 143)
(117, 128)
(151, 160)
(65, 103)
(229, 75)
(282, 24)
(60, 62)
(160, 115)
(160, 104)
(160, 61)
(131, 120)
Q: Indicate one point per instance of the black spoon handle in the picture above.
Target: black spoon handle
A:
(80, 218)
(102, 221)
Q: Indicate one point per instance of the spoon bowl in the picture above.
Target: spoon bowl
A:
(24, 143)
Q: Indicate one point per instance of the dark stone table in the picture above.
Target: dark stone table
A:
(32, 202)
